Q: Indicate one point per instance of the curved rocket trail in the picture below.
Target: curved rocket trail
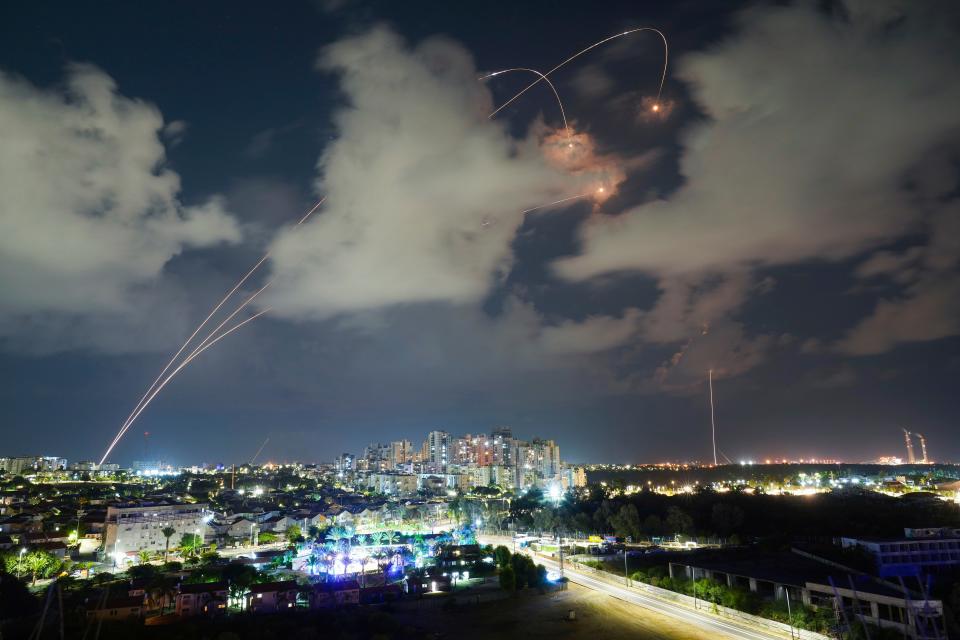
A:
(138, 406)
(543, 77)
(663, 75)
(196, 352)
(208, 339)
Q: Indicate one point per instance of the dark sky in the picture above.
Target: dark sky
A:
(789, 218)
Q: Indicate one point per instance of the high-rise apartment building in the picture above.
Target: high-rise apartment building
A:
(438, 454)
(401, 453)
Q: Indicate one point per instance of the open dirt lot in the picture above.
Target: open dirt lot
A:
(532, 615)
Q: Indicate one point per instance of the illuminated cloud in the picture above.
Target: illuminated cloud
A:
(814, 124)
(424, 192)
(89, 215)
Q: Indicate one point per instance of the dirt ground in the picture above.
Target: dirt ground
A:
(532, 615)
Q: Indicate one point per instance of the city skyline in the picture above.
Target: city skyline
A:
(754, 215)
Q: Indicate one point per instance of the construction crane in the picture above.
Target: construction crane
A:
(923, 447)
(910, 457)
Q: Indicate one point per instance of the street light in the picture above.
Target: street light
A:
(23, 550)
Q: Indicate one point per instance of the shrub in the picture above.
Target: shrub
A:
(508, 580)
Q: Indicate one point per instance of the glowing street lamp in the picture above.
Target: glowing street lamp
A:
(23, 550)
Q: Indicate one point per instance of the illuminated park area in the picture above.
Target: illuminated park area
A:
(384, 557)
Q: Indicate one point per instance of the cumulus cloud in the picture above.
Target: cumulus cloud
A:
(726, 349)
(424, 192)
(89, 214)
(928, 306)
(592, 335)
(814, 122)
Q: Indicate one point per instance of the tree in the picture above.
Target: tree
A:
(142, 571)
(167, 532)
(161, 590)
(294, 533)
(37, 562)
(508, 580)
(266, 537)
(544, 519)
(143, 557)
(172, 567)
(678, 521)
(652, 525)
(726, 518)
(239, 577)
(501, 556)
(626, 521)
(191, 544)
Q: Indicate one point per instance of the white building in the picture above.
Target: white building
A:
(393, 484)
(438, 444)
(31, 464)
(132, 528)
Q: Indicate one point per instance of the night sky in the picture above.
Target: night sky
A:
(789, 218)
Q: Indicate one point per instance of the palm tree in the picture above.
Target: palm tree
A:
(37, 562)
(394, 537)
(143, 557)
(376, 538)
(167, 532)
(336, 533)
(383, 561)
(161, 590)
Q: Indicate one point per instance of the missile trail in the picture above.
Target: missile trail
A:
(257, 454)
(563, 113)
(193, 335)
(187, 361)
(203, 342)
(550, 204)
(663, 75)
(713, 422)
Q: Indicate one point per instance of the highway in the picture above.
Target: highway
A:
(702, 619)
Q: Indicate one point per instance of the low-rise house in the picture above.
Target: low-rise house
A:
(207, 599)
(21, 523)
(428, 584)
(242, 528)
(121, 608)
(327, 595)
(382, 593)
(271, 597)
(345, 592)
